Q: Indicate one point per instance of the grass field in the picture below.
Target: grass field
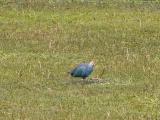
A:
(39, 44)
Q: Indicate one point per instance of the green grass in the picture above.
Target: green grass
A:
(39, 46)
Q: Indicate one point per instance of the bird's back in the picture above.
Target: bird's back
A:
(82, 70)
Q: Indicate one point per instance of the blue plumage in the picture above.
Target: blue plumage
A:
(82, 70)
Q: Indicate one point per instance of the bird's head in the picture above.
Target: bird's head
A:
(92, 63)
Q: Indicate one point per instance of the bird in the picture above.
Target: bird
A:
(82, 70)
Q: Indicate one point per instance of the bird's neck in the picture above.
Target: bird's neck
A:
(91, 65)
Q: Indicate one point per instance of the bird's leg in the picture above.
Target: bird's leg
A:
(84, 78)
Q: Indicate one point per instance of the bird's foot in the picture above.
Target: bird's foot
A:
(95, 78)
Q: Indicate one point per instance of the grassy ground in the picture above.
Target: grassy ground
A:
(39, 46)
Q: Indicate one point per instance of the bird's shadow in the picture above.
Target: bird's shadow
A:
(85, 82)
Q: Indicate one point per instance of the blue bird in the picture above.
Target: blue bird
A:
(82, 70)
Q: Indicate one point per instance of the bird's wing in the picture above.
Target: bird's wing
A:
(88, 70)
(79, 70)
